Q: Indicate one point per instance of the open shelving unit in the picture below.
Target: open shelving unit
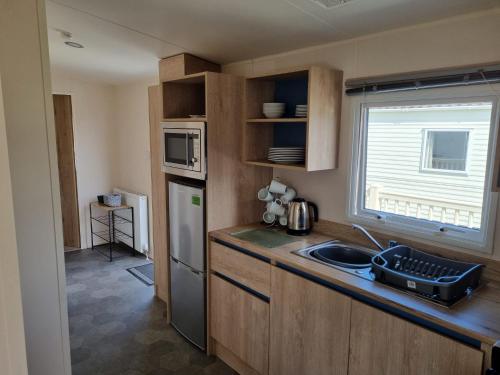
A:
(276, 120)
(184, 97)
(319, 88)
(107, 230)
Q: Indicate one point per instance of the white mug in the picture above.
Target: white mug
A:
(283, 220)
(277, 187)
(276, 208)
(268, 217)
(289, 195)
(265, 195)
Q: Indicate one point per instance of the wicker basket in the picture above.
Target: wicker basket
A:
(113, 199)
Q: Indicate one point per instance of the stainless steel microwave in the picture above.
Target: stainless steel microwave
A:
(183, 146)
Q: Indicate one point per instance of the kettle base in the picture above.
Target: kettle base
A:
(298, 232)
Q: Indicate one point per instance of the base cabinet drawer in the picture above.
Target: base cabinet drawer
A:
(240, 322)
(251, 272)
(382, 344)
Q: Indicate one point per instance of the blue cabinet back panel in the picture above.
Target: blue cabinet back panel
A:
(292, 92)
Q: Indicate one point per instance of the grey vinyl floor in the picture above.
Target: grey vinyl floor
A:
(117, 326)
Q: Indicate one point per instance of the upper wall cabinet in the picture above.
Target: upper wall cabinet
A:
(317, 130)
(183, 80)
(184, 64)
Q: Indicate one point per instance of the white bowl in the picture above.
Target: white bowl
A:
(273, 112)
(273, 115)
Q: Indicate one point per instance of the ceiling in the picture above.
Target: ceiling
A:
(124, 39)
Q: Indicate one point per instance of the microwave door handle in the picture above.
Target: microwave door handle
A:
(187, 150)
(190, 149)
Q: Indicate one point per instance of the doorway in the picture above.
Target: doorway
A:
(67, 171)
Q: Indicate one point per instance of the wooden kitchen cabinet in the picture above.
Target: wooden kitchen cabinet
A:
(230, 185)
(248, 271)
(309, 327)
(239, 321)
(318, 87)
(184, 64)
(382, 344)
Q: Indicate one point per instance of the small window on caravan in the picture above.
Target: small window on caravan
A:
(445, 150)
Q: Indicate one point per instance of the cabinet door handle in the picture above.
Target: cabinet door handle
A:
(187, 150)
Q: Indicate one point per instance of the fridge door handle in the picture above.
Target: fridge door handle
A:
(191, 269)
(199, 273)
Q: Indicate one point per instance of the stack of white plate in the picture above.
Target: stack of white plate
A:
(273, 110)
(286, 155)
(301, 110)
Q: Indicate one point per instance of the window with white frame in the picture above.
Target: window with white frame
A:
(445, 150)
(396, 142)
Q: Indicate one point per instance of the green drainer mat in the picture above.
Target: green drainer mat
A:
(265, 237)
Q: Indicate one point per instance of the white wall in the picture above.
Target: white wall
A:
(453, 42)
(111, 136)
(24, 67)
(12, 343)
(133, 154)
(94, 138)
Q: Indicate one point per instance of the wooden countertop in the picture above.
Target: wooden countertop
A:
(477, 316)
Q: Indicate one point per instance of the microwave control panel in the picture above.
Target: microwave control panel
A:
(195, 157)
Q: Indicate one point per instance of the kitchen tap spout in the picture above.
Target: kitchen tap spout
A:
(368, 235)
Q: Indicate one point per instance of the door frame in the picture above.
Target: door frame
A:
(77, 223)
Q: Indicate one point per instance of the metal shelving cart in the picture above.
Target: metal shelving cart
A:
(109, 221)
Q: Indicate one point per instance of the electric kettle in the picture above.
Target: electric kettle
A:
(301, 215)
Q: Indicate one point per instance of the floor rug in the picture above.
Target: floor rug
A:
(145, 273)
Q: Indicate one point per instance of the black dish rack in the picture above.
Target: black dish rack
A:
(431, 276)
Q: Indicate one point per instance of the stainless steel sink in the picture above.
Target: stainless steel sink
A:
(347, 257)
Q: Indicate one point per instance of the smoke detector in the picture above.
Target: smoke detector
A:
(68, 36)
(73, 44)
(329, 4)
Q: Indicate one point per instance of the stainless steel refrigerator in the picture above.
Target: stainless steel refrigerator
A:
(187, 260)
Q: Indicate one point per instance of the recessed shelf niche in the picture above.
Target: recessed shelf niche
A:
(184, 97)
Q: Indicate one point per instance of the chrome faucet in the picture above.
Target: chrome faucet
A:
(368, 235)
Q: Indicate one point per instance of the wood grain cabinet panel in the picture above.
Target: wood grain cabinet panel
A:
(159, 199)
(382, 344)
(318, 87)
(309, 327)
(251, 272)
(179, 66)
(240, 322)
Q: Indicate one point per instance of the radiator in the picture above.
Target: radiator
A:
(141, 219)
